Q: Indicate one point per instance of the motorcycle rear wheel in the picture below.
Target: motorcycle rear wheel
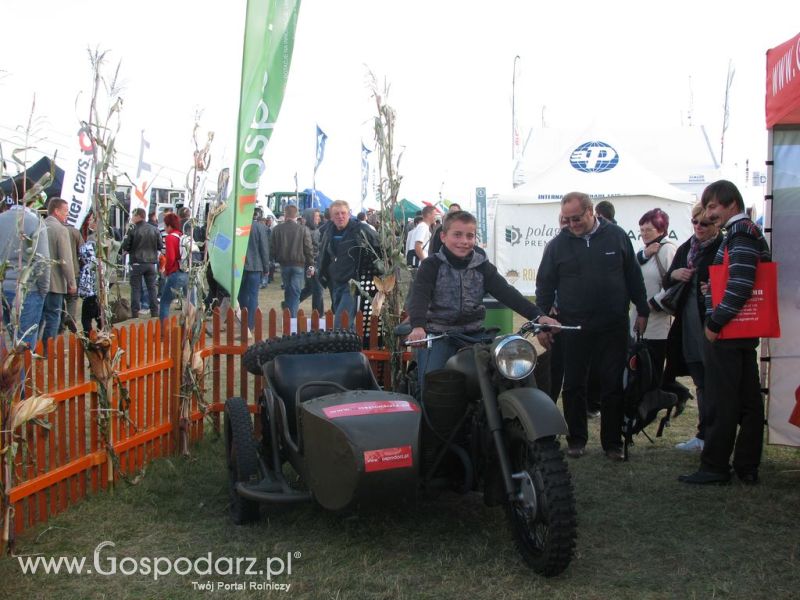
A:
(241, 455)
(543, 523)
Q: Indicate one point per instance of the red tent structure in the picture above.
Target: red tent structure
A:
(782, 224)
(783, 84)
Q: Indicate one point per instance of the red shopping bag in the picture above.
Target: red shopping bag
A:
(794, 418)
(759, 315)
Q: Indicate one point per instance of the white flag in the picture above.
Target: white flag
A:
(78, 180)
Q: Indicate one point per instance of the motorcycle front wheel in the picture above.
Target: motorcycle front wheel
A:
(542, 517)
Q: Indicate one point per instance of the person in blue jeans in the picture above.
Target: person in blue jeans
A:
(448, 291)
(32, 300)
(175, 270)
(256, 264)
(291, 246)
(348, 247)
(62, 272)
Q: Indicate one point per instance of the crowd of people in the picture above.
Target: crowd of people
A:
(590, 275)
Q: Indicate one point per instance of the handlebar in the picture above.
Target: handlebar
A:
(544, 327)
(479, 336)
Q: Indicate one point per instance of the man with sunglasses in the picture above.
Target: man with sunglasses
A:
(591, 268)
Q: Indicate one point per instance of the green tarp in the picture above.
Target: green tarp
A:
(405, 209)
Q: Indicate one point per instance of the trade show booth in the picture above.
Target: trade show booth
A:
(782, 224)
(526, 218)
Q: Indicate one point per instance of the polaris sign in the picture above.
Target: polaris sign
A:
(594, 157)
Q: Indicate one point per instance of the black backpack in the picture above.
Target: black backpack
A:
(643, 399)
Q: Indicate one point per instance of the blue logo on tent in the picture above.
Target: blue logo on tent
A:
(594, 157)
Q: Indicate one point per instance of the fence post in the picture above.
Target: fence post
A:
(175, 383)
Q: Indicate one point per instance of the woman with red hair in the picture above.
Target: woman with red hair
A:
(655, 259)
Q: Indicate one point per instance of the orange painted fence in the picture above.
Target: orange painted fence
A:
(56, 467)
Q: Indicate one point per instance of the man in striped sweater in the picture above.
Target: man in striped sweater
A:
(732, 385)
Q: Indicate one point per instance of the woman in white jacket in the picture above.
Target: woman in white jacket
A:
(654, 260)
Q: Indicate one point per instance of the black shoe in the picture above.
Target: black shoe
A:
(576, 451)
(706, 478)
(592, 414)
(748, 477)
(615, 454)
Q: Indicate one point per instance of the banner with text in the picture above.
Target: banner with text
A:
(521, 232)
(79, 179)
(268, 44)
(480, 215)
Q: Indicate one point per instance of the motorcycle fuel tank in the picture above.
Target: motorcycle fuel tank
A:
(361, 447)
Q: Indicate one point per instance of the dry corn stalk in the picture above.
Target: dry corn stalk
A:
(30, 408)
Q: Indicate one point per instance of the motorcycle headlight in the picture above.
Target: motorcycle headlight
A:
(515, 357)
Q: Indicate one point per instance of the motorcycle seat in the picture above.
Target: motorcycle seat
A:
(288, 372)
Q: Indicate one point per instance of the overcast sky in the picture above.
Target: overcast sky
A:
(449, 64)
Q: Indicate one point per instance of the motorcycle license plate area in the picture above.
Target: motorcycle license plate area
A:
(361, 447)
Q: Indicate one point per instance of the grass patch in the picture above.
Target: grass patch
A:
(641, 535)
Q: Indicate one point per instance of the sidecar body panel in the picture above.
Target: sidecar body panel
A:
(537, 413)
(361, 447)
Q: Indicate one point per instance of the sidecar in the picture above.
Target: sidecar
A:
(328, 434)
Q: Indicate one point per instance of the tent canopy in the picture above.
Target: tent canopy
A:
(526, 218)
(783, 84)
(680, 156)
(405, 209)
(12, 186)
(318, 199)
(599, 168)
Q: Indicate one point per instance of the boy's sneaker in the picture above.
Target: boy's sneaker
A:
(692, 445)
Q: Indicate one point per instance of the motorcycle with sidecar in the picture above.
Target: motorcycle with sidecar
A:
(331, 435)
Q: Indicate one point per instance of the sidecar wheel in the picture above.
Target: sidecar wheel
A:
(543, 520)
(309, 342)
(242, 458)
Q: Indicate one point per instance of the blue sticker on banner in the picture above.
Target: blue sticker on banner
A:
(222, 242)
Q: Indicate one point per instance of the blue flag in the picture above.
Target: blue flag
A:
(321, 137)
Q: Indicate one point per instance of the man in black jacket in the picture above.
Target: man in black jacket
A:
(347, 248)
(591, 267)
(143, 243)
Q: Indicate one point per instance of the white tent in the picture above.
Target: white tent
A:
(526, 218)
(680, 156)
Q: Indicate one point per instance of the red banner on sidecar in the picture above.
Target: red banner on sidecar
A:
(388, 458)
(370, 407)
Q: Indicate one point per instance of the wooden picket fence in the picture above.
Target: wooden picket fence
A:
(58, 465)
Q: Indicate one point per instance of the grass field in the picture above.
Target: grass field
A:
(641, 534)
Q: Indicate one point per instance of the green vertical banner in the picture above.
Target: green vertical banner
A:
(268, 44)
(480, 215)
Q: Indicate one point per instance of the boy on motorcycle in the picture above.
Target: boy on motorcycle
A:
(448, 293)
